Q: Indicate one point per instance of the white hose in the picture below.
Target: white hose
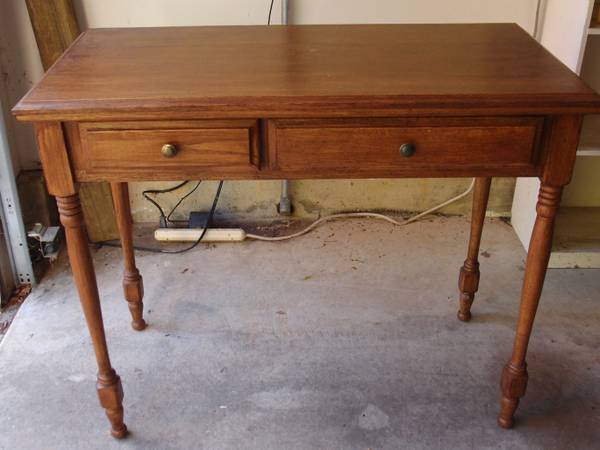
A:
(322, 220)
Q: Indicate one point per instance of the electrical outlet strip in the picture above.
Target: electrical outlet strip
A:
(192, 234)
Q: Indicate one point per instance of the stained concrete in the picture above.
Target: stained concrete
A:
(343, 339)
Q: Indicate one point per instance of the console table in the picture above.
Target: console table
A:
(289, 102)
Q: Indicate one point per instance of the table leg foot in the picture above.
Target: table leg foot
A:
(506, 419)
(464, 313)
(468, 280)
(120, 434)
(110, 393)
(133, 286)
(133, 289)
(513, 384)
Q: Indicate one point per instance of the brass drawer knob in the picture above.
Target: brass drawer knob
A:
(168, 150)
(407, 150)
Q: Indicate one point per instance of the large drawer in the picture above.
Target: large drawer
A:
(167, 150)
(404, 147)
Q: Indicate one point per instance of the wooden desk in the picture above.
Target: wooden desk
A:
(365, 101)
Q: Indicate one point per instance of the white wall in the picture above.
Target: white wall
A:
(414, 11)
(563, 29)
(20, 67)
(123, 13)
(156, 13)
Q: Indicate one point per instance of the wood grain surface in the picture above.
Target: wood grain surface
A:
(55, 27)
(371, 147)
(249, 71)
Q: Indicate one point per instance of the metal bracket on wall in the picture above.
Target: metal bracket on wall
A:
(285, 203)
(11, 213)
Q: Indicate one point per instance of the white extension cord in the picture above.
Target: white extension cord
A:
(238, 235)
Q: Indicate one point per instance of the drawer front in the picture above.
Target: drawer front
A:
(404, 147)
(167, 150)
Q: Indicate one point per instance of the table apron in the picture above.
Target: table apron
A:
(325, 148)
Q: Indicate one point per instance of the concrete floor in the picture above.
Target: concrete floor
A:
(343, 339)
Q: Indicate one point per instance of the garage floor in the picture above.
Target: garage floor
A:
(343, 339)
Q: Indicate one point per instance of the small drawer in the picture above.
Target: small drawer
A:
(405, 147)
(167, 150)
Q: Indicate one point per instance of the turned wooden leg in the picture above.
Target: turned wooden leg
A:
(468, 280)
(133, 285)
(514, 376)
(109, 387)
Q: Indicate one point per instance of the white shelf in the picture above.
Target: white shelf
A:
(594, 31)
(589, 144)
(576, 238)
(588, 152)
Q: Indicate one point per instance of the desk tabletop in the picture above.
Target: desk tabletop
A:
(281, 70)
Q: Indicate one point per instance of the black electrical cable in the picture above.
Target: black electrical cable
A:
(181, 201)
(166, 218)
(161, 191)
(207, 224)
(270, 11)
